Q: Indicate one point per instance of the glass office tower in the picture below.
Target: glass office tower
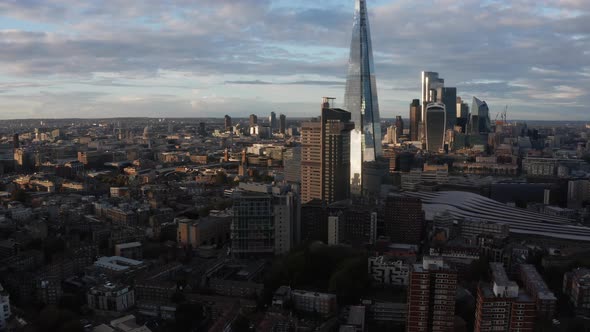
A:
(360, 99)
(435, 127)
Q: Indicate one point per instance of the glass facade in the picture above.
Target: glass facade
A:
(435, 126)
(480, 117)
(360, 99)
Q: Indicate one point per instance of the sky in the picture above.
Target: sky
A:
(208, 58)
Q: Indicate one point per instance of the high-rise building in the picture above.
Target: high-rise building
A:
(403, 219)
(202, 129)
(227, 122)
(325, 159)
(435, 126)
(282, 124)
(415, 119)
(479, 121)
(15, 141)
(502, 306)
(265, 221)
(272, 120)
(449, 98)
(462, 114)
(399, 125)
(252, 229)
(253, 120)
(292, 164)
(431, 296)
(431, 84)
(360, 99)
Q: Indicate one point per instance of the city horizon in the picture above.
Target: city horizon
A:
(70, 59)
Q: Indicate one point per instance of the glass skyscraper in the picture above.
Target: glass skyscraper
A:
(360, 99)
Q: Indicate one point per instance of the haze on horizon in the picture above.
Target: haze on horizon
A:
(207, 58)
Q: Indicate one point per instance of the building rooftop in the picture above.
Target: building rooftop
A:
(128, 245)
(476, 207)
(117, 263)
(534, 278)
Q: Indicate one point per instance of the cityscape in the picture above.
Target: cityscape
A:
(449, 215)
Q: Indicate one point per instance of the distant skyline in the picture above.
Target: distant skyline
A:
(208, 58)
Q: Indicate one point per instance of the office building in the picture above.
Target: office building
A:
(415, 119)
(265, 221)
(325, 159)
(323, 304)
(431, 296)
(360, 99)
(462, 114)
(479, 121)
(399, 125)
(403, 219)
(431, 84)
(351, 224)
(435, 127)
(253, 120)
(282, 124)
(502, 306)
(252, 229)
(111, 297)
(314, 221)
(227, 123)
(449, 98)
(272, 121)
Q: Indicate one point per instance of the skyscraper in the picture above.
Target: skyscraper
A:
(227, 122)
(325, 159)
(282, 123)
(479, 121)
(415, 119)
(253, 120)
(449, 98)
(399, 125)
(272, 120)
(360, 99)
(435, 126)
(462, 114)
(431, 83)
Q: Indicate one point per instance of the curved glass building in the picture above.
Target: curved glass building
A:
(360, 99)
(435, 126)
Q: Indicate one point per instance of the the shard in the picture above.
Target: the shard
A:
(360, 99)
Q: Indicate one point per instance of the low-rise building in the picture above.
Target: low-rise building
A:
(323, 304)
(118, 265)
(576, 286)
(131, 250)
(111, 297)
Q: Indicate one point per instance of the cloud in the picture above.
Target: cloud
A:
(527, 53)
